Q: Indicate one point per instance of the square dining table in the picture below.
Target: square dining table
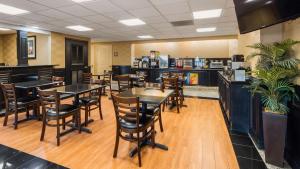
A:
(77, 90)
(148, 96)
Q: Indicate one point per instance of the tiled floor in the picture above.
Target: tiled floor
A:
(14, 159)
(247, 155)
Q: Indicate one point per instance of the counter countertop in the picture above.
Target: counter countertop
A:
(231, 79)
(25, 66)
(193, 69)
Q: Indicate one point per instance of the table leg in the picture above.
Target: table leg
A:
(83, 128)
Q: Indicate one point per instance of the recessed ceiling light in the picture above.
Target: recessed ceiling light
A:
(80, 1)
(132, 22)
(4, 29)
(10, 10)
(213, 13)
(79, 28)
(35, 27)
(211, 29)
(145, 37)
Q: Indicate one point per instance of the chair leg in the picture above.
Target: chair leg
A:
(116, 144)
(79, 120)
(100, 110)
(16, 120)
(160, 121)
(164, 105)
(177, 103)
(139, 149)
(27, 112)
(57, 132)
(153, 135)
(86, 111)
(64, 123)
(89, 110)
(43, 128)
(5, 119)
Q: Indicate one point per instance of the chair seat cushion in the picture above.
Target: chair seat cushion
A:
(64, 109)
(133, 125)
(88, 100)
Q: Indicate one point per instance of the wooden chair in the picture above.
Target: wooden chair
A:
(52, 109)
(94, 99)
(107, 81)
(181, 79)
(45, 74)
(87, 78)
(14, 105)
(171, 83)
(129, 122)
(123, 83)
(60, 81)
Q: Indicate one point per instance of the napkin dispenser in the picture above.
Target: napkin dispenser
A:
(240, 75)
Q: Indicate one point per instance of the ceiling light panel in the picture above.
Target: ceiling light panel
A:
(145, 37)
(4, 29)
(210, 29)
(79, 28)
(132, 22)
(10, 10)
(213, 13)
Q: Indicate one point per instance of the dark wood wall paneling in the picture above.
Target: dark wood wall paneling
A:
(75, 69)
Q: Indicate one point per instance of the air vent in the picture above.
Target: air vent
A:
(183, 23)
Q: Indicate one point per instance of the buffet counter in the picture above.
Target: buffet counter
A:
(196, 76)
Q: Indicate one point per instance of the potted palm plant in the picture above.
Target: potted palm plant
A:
(273, 80)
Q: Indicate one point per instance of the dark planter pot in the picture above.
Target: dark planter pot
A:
(274, 126)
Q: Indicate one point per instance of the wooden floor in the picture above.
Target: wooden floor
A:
(197, 139)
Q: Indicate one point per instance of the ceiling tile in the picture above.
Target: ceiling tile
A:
(24, 4)
(118, 15)
(206, 4)
(97, 18)
(160, 2)
(174, 8)
(76, 10)
(101, 6)
(179, 17)
(154, 19)
(131, 4)
(144, 12)
(53, 3)
(55, 14)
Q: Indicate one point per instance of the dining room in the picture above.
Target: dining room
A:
(114, 84)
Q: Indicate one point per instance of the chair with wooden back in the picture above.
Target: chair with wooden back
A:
(123, 83)
(45, 74)
(14, 105)
(181, 79)
(130, 122)
(107, 80)
(87, 78)
(59, 81)
(52, 109)
(172, 83)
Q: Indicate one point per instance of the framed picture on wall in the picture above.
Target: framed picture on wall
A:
(31, 41)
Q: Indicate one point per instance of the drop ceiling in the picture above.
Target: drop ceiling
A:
(103, 17)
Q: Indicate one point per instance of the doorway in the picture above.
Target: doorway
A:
(76, 60)
(102, 58)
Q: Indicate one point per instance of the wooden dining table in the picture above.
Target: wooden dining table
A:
(148, 96)
(77, 90)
